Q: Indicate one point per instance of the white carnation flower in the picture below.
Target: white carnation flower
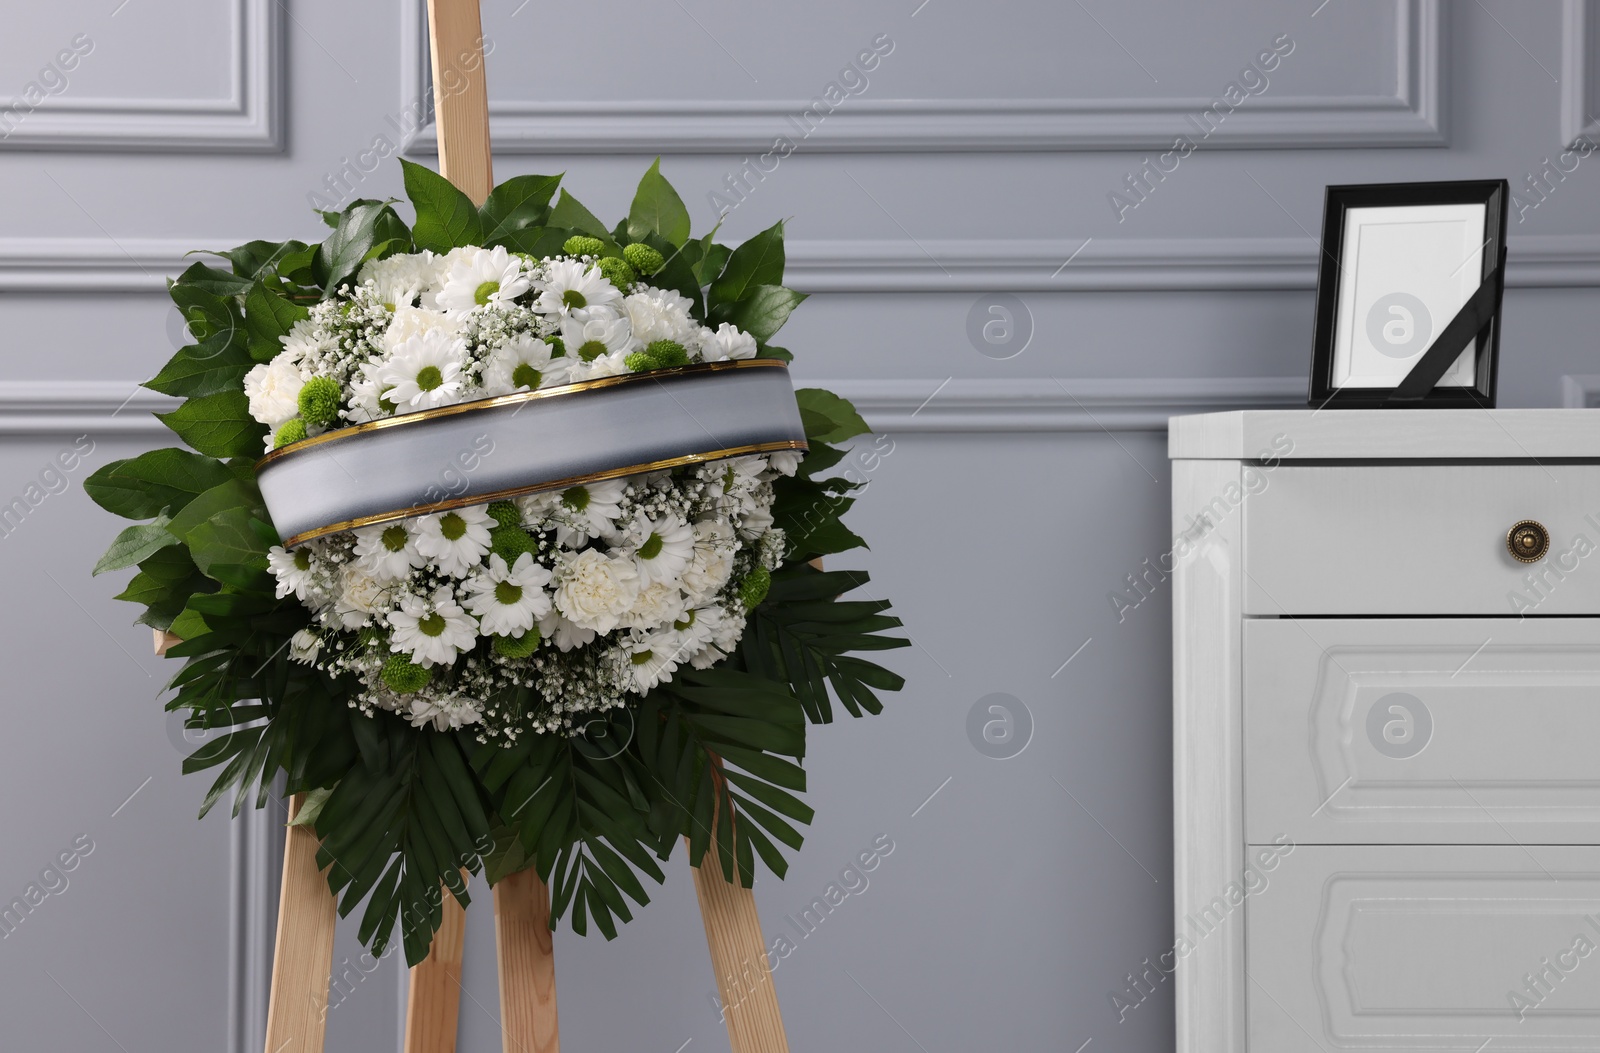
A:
(659, 603)
(425, 371)
(480, 277)
(595, 591)
(273, 389)
(570, 288)
(433, 630)
(523, 364)
(508, 600)
(360, 596)
(455, 541)
(659, 314)
(726, 343)
(399, 280)
(410, 322)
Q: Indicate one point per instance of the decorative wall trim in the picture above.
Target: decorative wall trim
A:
(1580, 91)
(1581, 391)
(254, 865)
(1414, 116)
(899, 404)
(132, 265)
(248, 120)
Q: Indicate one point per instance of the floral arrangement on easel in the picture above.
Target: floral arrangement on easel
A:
(571, 679)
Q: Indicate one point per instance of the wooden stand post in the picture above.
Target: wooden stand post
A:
(522, 940)
(433, 1003)
(739, 958)
(297, 1011)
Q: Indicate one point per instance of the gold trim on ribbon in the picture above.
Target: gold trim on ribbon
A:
(554, 484)
(517, 398)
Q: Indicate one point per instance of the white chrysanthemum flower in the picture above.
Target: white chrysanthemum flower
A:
(741, 476)
(755, 522)
(410, 322)
(589, 510)
(360, 596)
(301, 340)
(304, 646)
(273, 389)
(389, 551)
(659, 603)
(397, 281)
(424, 372)
(433, 630)
(695, 629)
(661, 547)
(722, 632)
(483, 276)
(523, 364)
(595, 591)
(536, 508)
(784, 462)
(652, 657)
(570, 288)
(455, 541)
(366, 395)
(712, 563)
(297, 572)
(726, 343)
(566, 635)
(660, 314)
(508, 600)
(602, 333)
(612, 365)
(445, 713)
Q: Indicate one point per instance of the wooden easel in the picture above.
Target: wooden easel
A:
(306, 908)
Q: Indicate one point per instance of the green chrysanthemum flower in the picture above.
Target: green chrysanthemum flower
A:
(518, 646)
(668, 353)
(319, 401)
(639, 361)
(404, 676)
(617, 272)
(292, 430)
(558, 346)
(509, 542)
(505, 513)
(583, 245)
(753, 589)
(643, 258)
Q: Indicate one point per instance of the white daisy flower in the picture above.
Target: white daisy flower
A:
(602, 333)
(273, 389)
(536, 508)
(433, 630)
(484, 276)
(455, 541)
(784, 462)
(297, 572)
(612, 365)
(712, 563)
(595, 591)
(589, 510)
(661, 547)
(523, 364)
(652, 657)
(388, 551)
(571, 287)
(366, 396)
(722, 632)
(424, 372)
(508, 600)
(565, 634)
(726, 343)
(695, 628)
(660, 314)
(445, 714)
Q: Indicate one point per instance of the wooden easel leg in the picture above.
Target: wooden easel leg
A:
(522, 940)
(739, 958)
(433, 1007)
(297, 1011)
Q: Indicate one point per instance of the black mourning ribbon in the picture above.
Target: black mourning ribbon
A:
(1474, 318)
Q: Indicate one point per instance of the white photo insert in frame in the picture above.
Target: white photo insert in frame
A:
(1398, 263)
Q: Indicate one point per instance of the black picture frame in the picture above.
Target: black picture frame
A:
(1333, 274)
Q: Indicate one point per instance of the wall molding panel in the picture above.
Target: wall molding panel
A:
(1414, 116)
(1581, 391)
(1580, 86)
(142, 265)
(249, 119)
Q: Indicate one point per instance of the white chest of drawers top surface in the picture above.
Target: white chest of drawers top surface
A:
(1470, 435)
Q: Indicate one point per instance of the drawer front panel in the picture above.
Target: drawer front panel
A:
(1426, 948)
(1422, 731)
(1421, 539)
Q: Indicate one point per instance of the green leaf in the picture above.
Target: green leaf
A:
(188, 626)
(141, 487)
(209, 279)
(571, 214)
(225, 541)
(520, 202)
(255, 260)
(226, 495)
(268, 318)
(365, 231)
(829, 418)
(446, 218)
(217, 363)
(219, 425)
(657, 209)
(137, 542)
(311, 807)
(713, 258)
(761, 313)
(759, 261)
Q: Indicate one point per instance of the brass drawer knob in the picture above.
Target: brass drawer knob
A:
(1528, 541)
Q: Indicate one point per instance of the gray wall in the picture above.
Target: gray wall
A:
(979, 157)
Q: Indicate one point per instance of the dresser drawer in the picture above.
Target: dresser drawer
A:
(1421, 539)
(1422, 731)
(1431, 947)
